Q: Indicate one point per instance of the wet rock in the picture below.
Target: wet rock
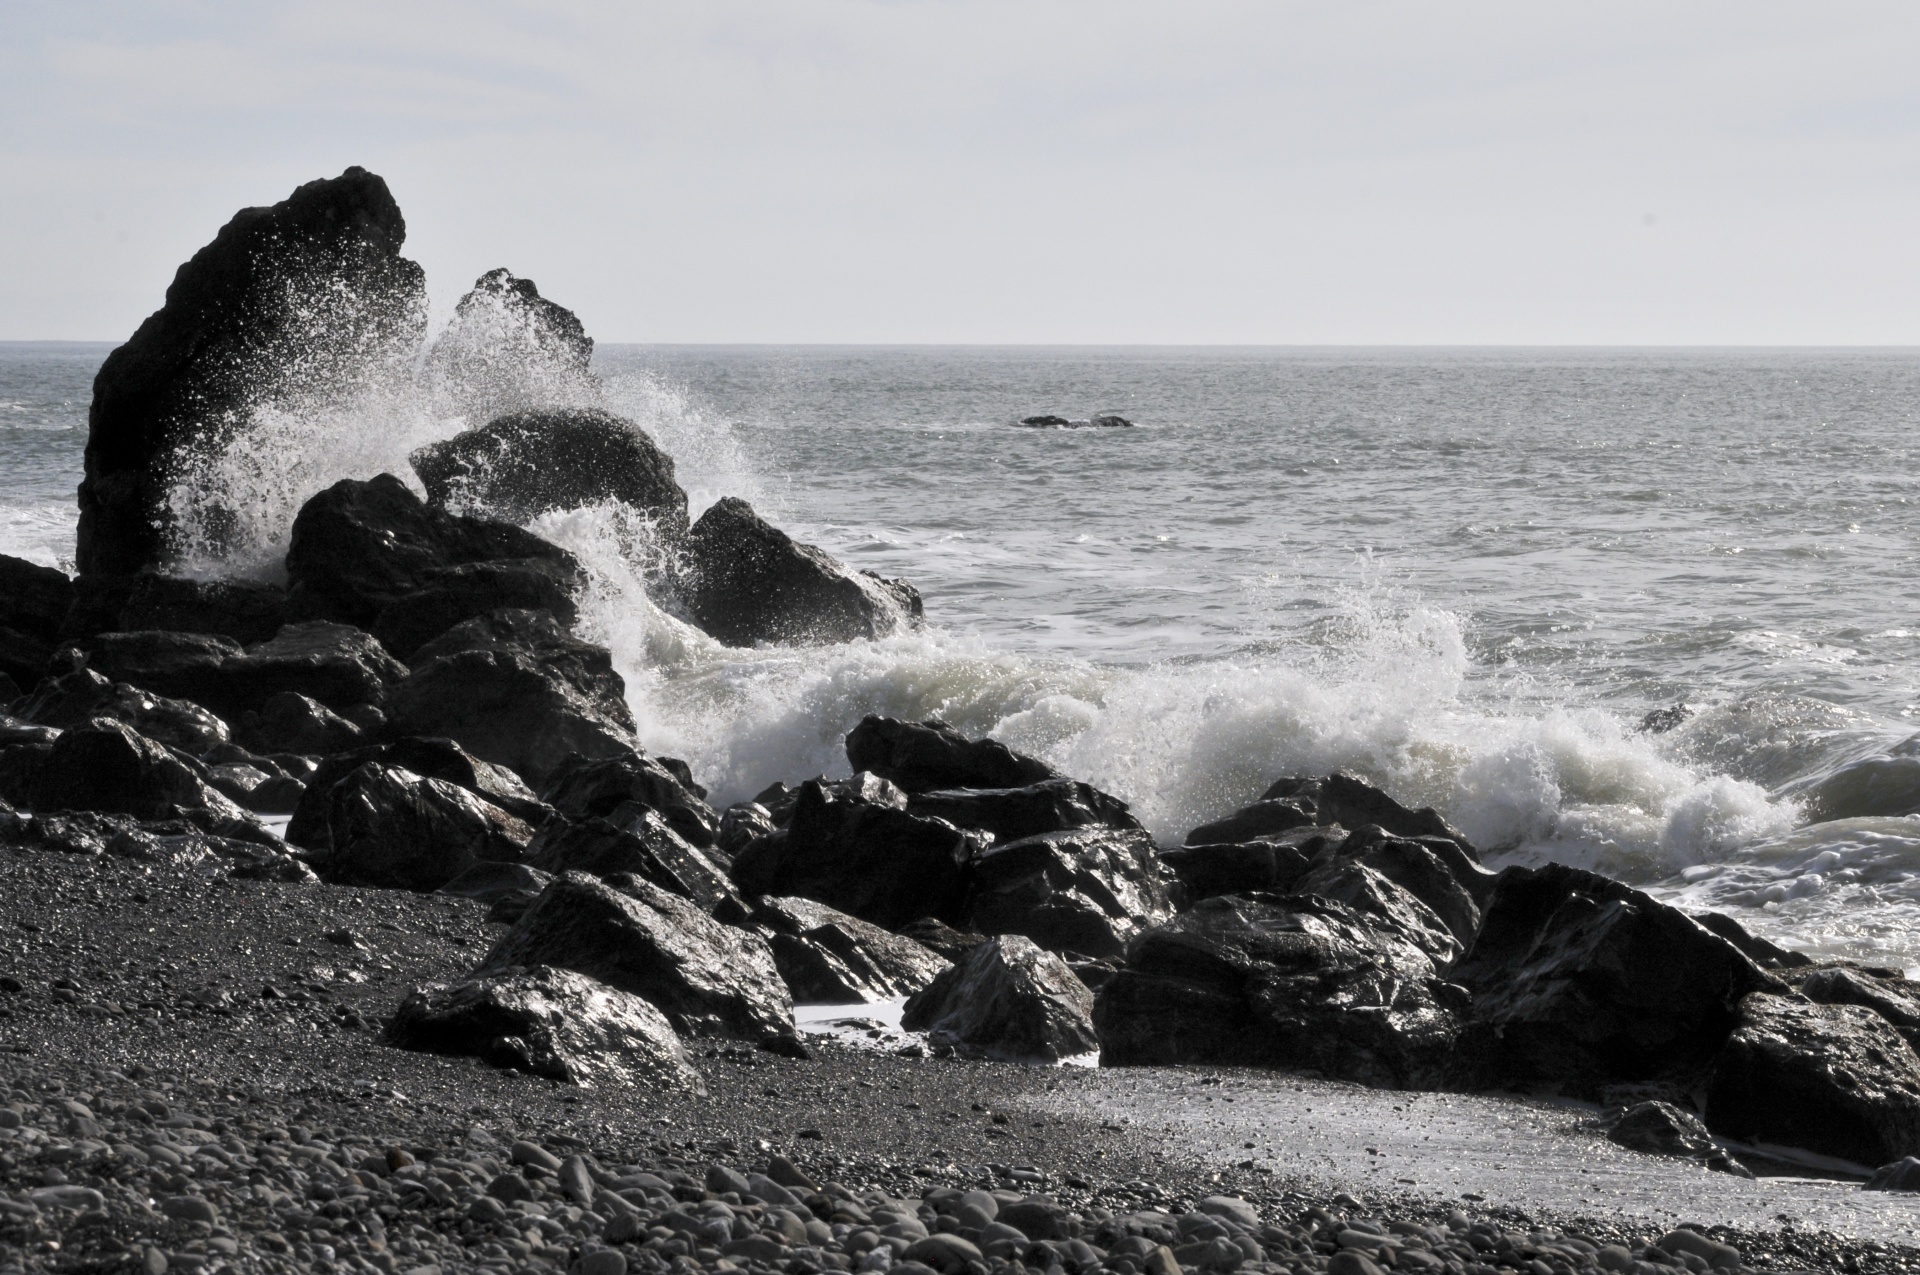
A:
(747, 582)
(1357, 885)
(1892, 997)
(1046, 421)
(294, 723)
(1261, 819)
(107, 766)
(1296, 982)
(547, 1022)
(1901, 1175)
(1662, 720)
(1110, 420)
(433, 758)
(336, 664)
(318, 274)
(1010, 814)
(942, 939)
(1352, 802)
(497, 882)
(1767, 956)
(508, 348)
(635, 840)
(1660, 1128)
(243, 610)
(1833, 1079)
(528, 463)
(514, 688)
(830, 958)
(924, 756)
(1579, 981)
(1432, 869)
(587, 787)
(392, 829)
(1251, 867)
(740, 824)
(34, 601)
(874, 861)
(84, 695)
(1086, 890)
(1884, 787)
(188, 666)
(1009, 998)
(708, 978)
(357, 548)
(458, 594)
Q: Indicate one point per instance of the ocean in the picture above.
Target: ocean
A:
(1466, 574)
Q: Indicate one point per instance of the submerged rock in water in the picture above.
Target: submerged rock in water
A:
(308, 294)
(1887, 787)
(747, 582)
(1901, 1175)
(1009, 999)
(923, 756)
(508, 349)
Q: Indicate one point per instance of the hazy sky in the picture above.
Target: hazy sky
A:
(1028, 170)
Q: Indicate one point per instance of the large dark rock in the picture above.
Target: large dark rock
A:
(1660, 1128)
(358, 548)
(293, 723)
(109, 767)
(82, 695)
(460, 593)
(1009, 999)
(1296, 982)
(391, 829)
(830, 958)
(516, 689)
(1432, 869)
(1053, 805)
(1352, 802)
(509, 348)
(1889, 995)
(1086, 890)
(34, 601)
(1833, 1079)
(433, 758)
(309, 293)
(708, 978)
(243, 610)
(528, 463)
(634, 840)
(1579, 982)
(1361, 888)
(335, 664)
(875, 861)
(189, 666)
(747, 582)
(1768, 956)
(1261, 819)
(1266, 866)
(923, 756)
(587, 788)
(547, 1022)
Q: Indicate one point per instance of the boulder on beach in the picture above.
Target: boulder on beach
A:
(1888, 993)
(336, 665)
(34, 601)
(507, 349)
(708, 978)
(1009, 999)
(528, 463)
(294, 723)
(632, 839)
(1360, 887)
(746, 582)
(83, 695)
(1086, 890)
(1009, 814)
(594, 787)
(830, 958)
(547, 1022)
(109, 767)
(1267, 865)
(1660, 1128)
(923, 756)
(181, 665)
(432, 758)
(244, 610)
(1352, 802)
(309, 293)
(1261, 819)
(390, 829)
(1432, 869)
(457, 594)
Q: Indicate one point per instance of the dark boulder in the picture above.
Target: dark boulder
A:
(1579, 982)
(1086, 890)
(1432, 869)
(1352, 802)
(508, 889)
(357, 548)
(1884, 786)
(1888, 994)
(294, 723)
(189, 666)
(875, 861)
(1361, 888)
(391, 829)
(34, 601)
(242, 610)
(634, 840)
(830, 958)
(547, 1022)
(1261, 819)
(523, 465)
(587, 788)
(1007, 999)
(708, 978)
(1046, 421)
(740, 824)
(942, 939)
(1297, 982)
(83, 695)
(458, 594)
(509, 348)
(514, 688)
(1660, 1128)
(107, 766)
(1268, 866)
(1768, 956)
(923, 756)
(304, 295)
(433, 758)
(1837, 1080)
(1901, 1175)
(1110, 420)
(336, 664)
(747, 582)
(1009, 814)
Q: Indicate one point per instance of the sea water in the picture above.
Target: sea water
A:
(1465, 574)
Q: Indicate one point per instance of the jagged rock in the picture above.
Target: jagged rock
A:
(1249, 867)
(34, 601)
(24, 660)
(458, 594)
(513, 688)
(942, 939)
(1901, 1175)
(523, 465)
(1361, 888)
(1893, 997)
(1009, 814)
(1110, 420)
(830, 958)
(1298, 982)
(15, 731)
(1432, 869)
(586, 788)
(509, 348)
(924, 756)
(1579, 981)
(747, 582)
(391, 829)
(1833, 1079)
(1046, 420)
(189, 666)
(547, 1022)
(243, 610)
(84, 695)
(740, 824)
(107, 766)
(313, 288)
(1009, 999)
(514, 884)
(1660, 1128)
(875, 861)
(1261, 819)
(1086, 891)
(1354, 803)
(708, 978)
(1767, 956)
(294, 723)
(435, 759)
(358, 548)
(634, 840)
(336, 664)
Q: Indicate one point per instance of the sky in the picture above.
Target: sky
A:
(1007, 171)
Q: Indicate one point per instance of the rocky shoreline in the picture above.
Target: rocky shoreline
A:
(527, 913)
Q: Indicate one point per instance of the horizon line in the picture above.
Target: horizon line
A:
(1153, 345)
